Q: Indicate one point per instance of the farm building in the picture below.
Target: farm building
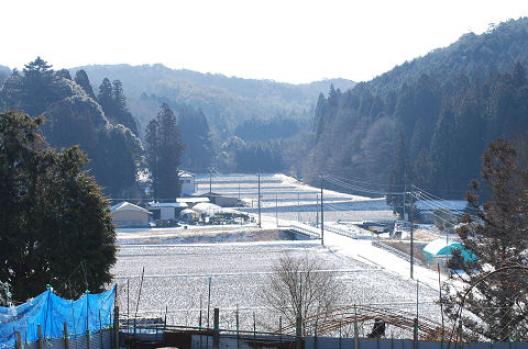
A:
(192, 200)
(166, 211)
(187, 182)
(207, 209)
(444, 249)
(221, 200)
(125, 214)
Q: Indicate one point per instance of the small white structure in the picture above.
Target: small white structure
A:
(189, 216)
(208, 209)
(187, 183)
(166, 211)
(126, 214)
(193, 200)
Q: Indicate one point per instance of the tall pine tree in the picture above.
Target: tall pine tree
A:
(497, 306)
(36, 92)
(164, 149)
(81, 78)
(56, 226)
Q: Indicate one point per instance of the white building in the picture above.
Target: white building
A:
(126, 214)
(166, 211)
(187, 182)
(192, 200)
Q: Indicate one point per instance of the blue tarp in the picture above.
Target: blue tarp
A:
(90, 312)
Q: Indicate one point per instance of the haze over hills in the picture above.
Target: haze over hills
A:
(427, 121)
(225, 101)
(429, 118)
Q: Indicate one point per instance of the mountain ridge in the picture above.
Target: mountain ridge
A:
(225, 101)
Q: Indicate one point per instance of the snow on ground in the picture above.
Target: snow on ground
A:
(291, 199)
(178, 262)
(176, 276)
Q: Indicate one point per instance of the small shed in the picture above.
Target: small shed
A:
(126, 214)
(206, 208)
(166, 211)
(443, 248)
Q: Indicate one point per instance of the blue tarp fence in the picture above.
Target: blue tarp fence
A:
(91, 312)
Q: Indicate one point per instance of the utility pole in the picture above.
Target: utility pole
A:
(298, 207)
(412, 242)
(210, 182)
(322, 213)
(259, 206)
(208, 300)
(276, 211)
(404, 201)
(317, 212)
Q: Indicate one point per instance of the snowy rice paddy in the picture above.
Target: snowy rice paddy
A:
(177, 268)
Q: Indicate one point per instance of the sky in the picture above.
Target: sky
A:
(283, 40)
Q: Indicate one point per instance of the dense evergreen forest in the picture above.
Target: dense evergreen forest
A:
(101, 125)
(224, 121)
(226, 101)
(100, 120)
(426, 122)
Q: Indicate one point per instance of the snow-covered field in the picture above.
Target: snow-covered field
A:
(291, 199)
(178, 263)
(176, 276)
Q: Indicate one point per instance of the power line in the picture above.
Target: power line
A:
(359, 188)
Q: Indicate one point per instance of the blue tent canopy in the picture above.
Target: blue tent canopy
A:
(90, 312)
(443, 248)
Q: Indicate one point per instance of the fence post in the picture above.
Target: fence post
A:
(280, 328)
(116, 327)
(216, 320)
(356, 330)
(18, 340)
(216, 328)
(460, 334)
(237, 320)
(298, 332)
(39, 334)
(340, 331)
(254, 326)
(66, 345)
(316, 341)
(415, 334)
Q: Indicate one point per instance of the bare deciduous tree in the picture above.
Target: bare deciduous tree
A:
(303, 287)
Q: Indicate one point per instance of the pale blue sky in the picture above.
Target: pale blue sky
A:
(284, 40)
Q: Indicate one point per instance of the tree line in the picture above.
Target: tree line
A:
(427, 122)
(102, 125)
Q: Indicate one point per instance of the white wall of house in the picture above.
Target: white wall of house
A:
(130, 218)
(187, 182)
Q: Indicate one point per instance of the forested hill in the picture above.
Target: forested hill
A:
(226, 101)
(73, 115)
(427, 121)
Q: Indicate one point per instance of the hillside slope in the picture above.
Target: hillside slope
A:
(427, 121)
(226, 101)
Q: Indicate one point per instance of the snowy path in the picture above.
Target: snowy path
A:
(363, 250)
